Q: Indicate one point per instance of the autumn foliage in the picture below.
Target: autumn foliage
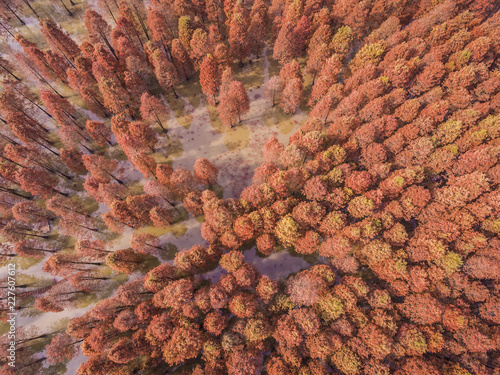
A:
(389, 189)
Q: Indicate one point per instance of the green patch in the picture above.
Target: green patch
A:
(86, 300)
(237, 137)
(173, 147)
(116, 153)
(135, 188)
(89, 204)
(57, 369)
(274, 117)
(150, 263)
(178, 230)
(153, 230)
(274, 65)
(177, 105)
(250, 75)
(25, 263)
(218, 190)
(191, 90)
(4, 328)
(59, 325)
(169, 251)
(213, 114)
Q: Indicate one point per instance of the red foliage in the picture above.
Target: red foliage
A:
(209, 78)
(233, 104)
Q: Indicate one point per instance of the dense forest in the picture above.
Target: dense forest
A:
(387, 189)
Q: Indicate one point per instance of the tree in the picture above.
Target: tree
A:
(186, 30)
(61, 348)
(31, 212)
(73, 160)
(209, 78)
(257, 32)
(181, 59)
(98, 29)
(61, 109)
(82, 81)
(32, 71)
(330, 99)
(37, 181)
(318, 49)
(185, 343)
(238, 34)
(126, 261)
(116, 97)
(59, 40)
(291, 96)
(146, 243)
(289, 71)
(205, 171)
(99, 132)
(161, 31)
(326, 79)
(126, 22)
(273, 88)
(152, 109)
(200, 46)
(301, 34)
(51, 65)
(143, 134)
(234, 104)
(164, 70)
(284, 47)
(101, 168)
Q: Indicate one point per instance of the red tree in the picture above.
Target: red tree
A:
(205, 171)
(209, 78)
(233, 104)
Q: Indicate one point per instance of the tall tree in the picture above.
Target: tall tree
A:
(205, 171)
(209, 78)
(101, 168)
(98, 29)
(319, 49)
(292, 96)
(200, 46)
(272, 89)
(284, 48)
(7, 70)
(233, 104)
(239, 46)
(59, 40)
(38, 181)
(152, 109)
(161, 32)
(181, 59)
(164, 70)
(99, 132)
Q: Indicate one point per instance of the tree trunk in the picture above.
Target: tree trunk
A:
(14, 13)
(65, 7)
(31, 8)
(12, 74)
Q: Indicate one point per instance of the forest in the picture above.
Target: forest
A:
(242, 187)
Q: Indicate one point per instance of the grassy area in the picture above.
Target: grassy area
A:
(277, 118)
(191, 90)
(251, 75)
(177, 105)
(236, 137)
